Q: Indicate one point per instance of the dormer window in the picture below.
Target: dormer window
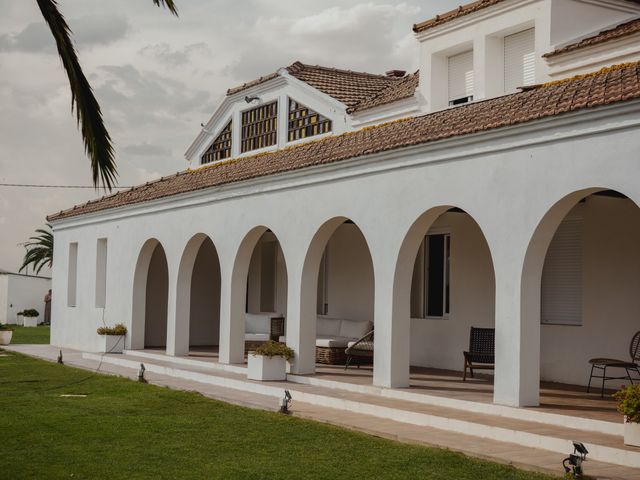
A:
(220, 148)
(460, 79)
(259, 127)
(519, 60)
(304, 122)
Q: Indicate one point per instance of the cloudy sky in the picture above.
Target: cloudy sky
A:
(157, 77)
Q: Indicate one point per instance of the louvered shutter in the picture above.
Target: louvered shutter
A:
(519, 60)
(461, 76)
(561, 296)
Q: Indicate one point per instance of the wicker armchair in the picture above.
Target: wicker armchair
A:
(633, 365)
(481, 354)
(361, 350)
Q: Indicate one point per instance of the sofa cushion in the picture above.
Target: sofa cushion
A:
(256, 337)
(282, 339)
(328, 327)
(258, 322)
(332, 342)
(354, 329)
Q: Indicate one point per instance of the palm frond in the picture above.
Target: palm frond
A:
(39, 250)
(168, 4)
(97, 142)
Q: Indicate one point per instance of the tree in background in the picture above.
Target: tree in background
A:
(39, 250)
(97, 142)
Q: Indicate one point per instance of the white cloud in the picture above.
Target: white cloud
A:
(157, 77)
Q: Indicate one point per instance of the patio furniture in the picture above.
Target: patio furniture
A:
(360, 351)
(481, 354)
(601, 364)
(261, 327)
(333, 336)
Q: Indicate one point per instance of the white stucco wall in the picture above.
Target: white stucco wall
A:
(509, 181)
(19, 292)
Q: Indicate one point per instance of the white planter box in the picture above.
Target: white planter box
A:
(31, 321)
(632, 434)
(264, 368)
(5, 337)
(20, 320)
(111, 343)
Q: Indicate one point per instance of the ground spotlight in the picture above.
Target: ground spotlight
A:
(141, 374)
(285, 403)
(573, 463)
(60, 358)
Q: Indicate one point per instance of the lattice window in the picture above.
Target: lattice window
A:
(260, 127)
(220, 148)
(304, 122)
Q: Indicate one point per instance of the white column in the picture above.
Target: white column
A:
(517, 373)
(301, 319)
(177, 335)
(392, 332)
(232, 301)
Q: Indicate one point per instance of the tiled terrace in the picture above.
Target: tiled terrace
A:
(563, 399)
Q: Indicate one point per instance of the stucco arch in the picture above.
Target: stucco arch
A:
(532, 271)
(198, 245)
(302, 332)
(151, 251)
(395, 370)
(238, 293)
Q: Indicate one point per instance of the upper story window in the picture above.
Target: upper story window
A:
(220, 148)
(259, 127)
(304, 122)
(460, 80)
(519, 60)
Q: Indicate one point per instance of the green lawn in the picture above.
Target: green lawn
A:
(30, 335)
(125, 429)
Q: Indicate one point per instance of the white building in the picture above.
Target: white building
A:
(19, 292)
(493, 188)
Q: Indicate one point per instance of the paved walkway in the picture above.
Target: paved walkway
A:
(501, 452)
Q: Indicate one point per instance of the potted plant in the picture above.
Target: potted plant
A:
(6, 332)
(31, 316)
(269, 361)
(629, 405)
(112, 338)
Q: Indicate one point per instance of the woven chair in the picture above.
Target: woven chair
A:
(481, 354)
(601, 364)
(361, 351)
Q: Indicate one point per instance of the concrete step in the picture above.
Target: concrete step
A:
(525, 433)
(577, 423)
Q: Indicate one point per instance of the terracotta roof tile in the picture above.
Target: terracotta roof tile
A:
(346, 86)
(607, 86)
(622, 30)
(461, 11)
(405, 88)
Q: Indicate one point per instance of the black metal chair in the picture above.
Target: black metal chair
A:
(481, 354)
(361, 351)
(601, 364)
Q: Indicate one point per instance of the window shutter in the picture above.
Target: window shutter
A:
(561, 296)
(519, 60)
(461, 75)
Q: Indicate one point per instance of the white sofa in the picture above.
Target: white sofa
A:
(334, 335)
(261, 327)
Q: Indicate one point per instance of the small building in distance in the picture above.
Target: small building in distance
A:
(19, 292)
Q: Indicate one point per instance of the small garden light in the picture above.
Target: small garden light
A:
(285, 403)
(573, 463)
(141, 374)
(60, 358)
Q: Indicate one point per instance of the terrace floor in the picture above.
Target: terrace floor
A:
(571, 400)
